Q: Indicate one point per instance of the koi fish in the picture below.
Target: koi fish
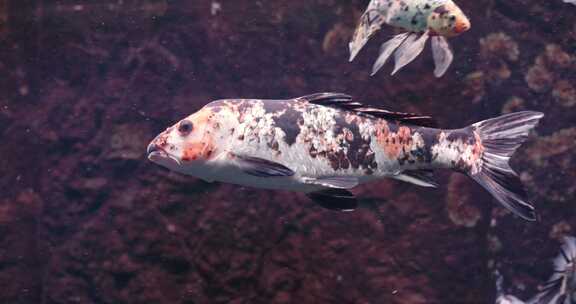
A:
(421, 19)
(501, 297)
(326, 144)
(561, 287)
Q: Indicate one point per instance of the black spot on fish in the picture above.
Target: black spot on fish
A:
(464, 135)
(359, 154)
(430, 138)
(441, 10)
(289, 122)
(393, 127)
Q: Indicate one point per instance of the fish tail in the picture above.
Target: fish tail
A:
(567, 255)
(499, 138)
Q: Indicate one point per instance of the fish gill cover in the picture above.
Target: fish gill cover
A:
(84, 218)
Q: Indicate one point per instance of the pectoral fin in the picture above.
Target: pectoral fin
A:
(334, 199)
(338, 182)
(442, 55)
(261, 167)
(386, 50)
(422, 178)
(409, 50)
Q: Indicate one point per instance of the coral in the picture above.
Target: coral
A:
(497, 52)
(551, 72)
(460, 201)
(514, 104)
(547, 156)
(499, 45)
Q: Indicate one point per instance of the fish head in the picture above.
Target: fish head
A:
(448, 20)
(187, 146)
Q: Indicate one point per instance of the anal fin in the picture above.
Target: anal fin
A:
(334, 199)
(424, 178)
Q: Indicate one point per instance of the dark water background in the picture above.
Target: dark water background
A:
(85, 218)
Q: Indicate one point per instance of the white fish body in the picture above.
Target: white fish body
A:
(326, 144)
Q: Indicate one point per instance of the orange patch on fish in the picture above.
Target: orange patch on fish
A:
(201, 150)
(198, 151)
(197, 148)
(478, 149)
(394, 143)
(461, 26)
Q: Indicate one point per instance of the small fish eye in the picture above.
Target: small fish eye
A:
(452, 18)
(185, 127)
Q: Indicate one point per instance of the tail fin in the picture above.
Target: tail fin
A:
(501, 136)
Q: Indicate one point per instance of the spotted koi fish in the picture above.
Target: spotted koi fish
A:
(559, 289)
(421, 19)
(326, 144)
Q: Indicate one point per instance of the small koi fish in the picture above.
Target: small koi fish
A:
(326, 144)
(422, 19)
(501, 297)
(559, 289)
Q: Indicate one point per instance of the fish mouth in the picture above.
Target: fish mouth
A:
(158, 155)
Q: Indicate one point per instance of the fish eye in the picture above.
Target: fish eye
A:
(185, 127)
(452, 18)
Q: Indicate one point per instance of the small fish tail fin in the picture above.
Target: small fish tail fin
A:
(500, 137)
(567, 255)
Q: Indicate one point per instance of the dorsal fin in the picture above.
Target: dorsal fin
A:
(345, 102)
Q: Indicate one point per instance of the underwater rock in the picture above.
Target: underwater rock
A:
(126, 142)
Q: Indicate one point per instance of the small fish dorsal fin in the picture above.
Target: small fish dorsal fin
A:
(345, 102)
